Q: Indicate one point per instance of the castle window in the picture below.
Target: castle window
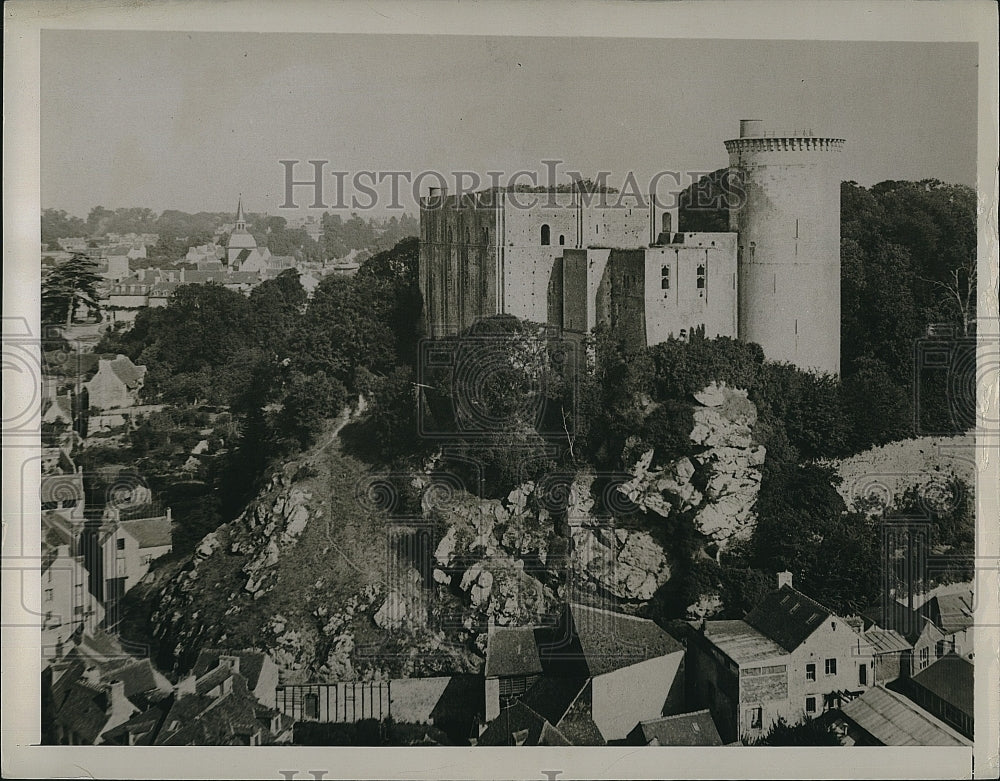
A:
(562, 240)
(486, 235)
(664, 277)
(700, 280)
(545, 235)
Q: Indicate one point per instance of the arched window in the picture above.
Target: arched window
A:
(562, 239)
(666, 222)
(545, 235)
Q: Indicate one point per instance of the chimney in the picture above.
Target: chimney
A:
(117, 701)
(785, 579)
(186, 685)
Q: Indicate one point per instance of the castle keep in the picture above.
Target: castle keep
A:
(577, 259)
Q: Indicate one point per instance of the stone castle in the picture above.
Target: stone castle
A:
(574, 260)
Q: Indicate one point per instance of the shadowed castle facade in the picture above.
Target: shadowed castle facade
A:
(574, 259)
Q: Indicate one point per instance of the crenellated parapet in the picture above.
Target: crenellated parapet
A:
(784, 144)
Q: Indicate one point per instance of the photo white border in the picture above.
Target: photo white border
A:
(889, 20)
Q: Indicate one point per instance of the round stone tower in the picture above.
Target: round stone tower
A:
(785, 205)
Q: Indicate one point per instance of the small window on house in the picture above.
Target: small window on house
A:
(664, 277)
(813, 618)
(925, 657)
(545, 235)
(831, 666)
(120, 543)
(756, 718)
(810, 704)
(700, 280)
(785, 598)
(793, 608)
(862, 674)
(810, 672)
(833, 626)
(562, 240)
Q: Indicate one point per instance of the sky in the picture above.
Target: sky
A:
(176, 120)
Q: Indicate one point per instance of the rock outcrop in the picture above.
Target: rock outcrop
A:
(496, 552)
(729, 466)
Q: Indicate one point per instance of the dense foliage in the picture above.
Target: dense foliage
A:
(808, 732)
(68, 286)
(505, 401)
(281, 363)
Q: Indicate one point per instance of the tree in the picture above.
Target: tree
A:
(308, 401)
(960, 293)
(66, 286)
(57, 224)
(809, 732)
(704, 205)
(796, 506)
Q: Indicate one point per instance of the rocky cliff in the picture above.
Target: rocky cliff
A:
(304, 574)
(320, 576)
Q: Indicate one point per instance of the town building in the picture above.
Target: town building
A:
(953, 613)
(126, 702)
(240, 240)
(946, 689)
(686, 729)
(129, 546)
(117, 383)
(578, 259)
(589, 679)
(790, 658)
(881, 717)
(927, 641)
(68, 607)
(257, 668)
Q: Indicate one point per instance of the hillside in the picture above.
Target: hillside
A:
(882, 474)
(301, 573)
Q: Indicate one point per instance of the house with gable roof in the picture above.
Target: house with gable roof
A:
(68, 607)
(946, 689)
(790, 657)
(117, 383)
(129, 546)
(215, 705)
(685, 729)
(953, 614)
(882, 717)
(589, 679)
(256, 667)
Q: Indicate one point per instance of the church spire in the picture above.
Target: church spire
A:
(241, 223)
